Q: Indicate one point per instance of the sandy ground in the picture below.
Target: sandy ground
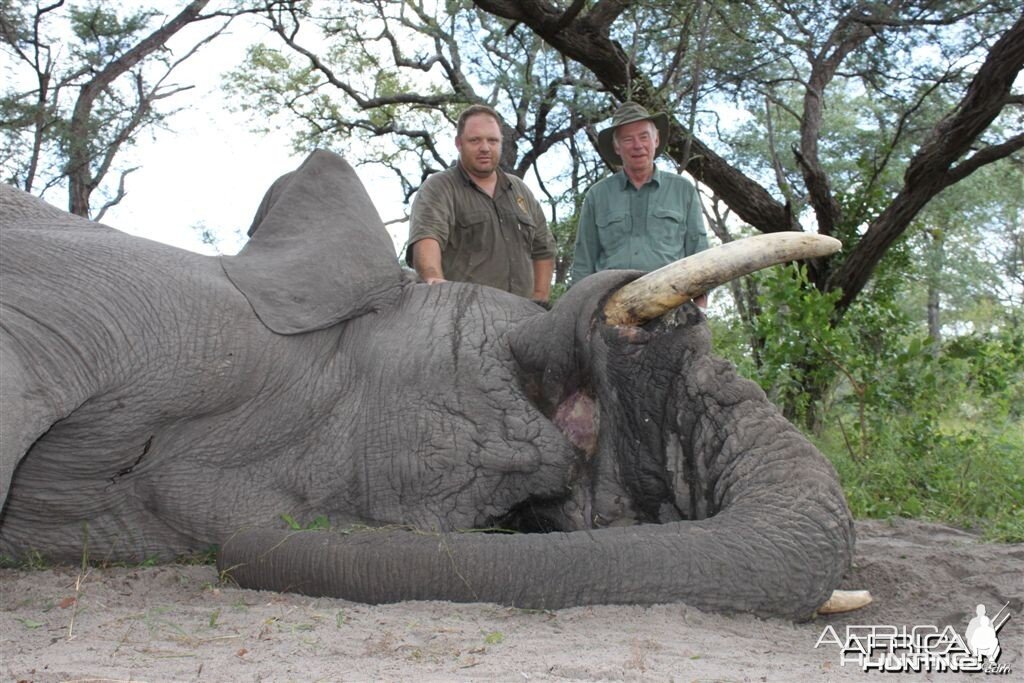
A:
(175, 623)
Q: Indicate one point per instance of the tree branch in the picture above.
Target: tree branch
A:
(931, 168)
(984, 157)
(363, 102)
(569, 14)
(849, 33)
(121, 193)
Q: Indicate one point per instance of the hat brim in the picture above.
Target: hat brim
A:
(606, 145)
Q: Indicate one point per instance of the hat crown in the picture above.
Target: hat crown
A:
(629, 112)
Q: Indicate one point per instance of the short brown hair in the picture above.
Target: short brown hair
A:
(473, 110)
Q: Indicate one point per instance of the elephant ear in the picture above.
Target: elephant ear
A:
(318, 252)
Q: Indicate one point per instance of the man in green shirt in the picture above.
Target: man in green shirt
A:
(639, 218)
(475, 223)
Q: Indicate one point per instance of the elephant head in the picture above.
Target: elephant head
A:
(156, 402)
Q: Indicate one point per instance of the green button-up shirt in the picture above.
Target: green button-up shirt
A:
(638, 229)
(487, 240)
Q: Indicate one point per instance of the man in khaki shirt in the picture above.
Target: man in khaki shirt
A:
(475, 223)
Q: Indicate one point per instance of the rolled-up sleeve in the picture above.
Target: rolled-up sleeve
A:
(432, 215)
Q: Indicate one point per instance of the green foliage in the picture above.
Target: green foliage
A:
(564, 232)
(943, 440)
(29, 623)
(798, 339)
(320, 522)
(558, 290)
(390, 78)
(913, 429)
(101, 35)
(37, 561)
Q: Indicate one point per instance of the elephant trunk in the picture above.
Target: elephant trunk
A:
(728, 563)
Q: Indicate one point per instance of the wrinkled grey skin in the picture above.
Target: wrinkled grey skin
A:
(155, 402)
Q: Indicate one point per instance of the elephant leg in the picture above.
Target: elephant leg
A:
(29, 405)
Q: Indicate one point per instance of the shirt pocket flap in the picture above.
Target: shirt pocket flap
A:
(471, 219)
(613, 219)
(525, 217)
(668, 214)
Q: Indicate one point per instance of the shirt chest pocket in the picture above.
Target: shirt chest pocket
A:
(613, 231)
(471, 228)
(524, 226)
(666, 227)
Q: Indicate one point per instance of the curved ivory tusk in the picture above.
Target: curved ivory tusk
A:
(660, 291)
(845, 601)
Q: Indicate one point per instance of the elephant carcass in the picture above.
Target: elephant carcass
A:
(156, 402)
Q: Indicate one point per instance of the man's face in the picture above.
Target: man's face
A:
(635, 143)
(479, 145)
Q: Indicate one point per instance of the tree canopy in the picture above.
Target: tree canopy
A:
(85, 81)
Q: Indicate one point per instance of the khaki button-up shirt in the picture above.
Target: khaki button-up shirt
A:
(638, 229)
(489, 241)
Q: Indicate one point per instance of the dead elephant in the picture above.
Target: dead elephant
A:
(157, 401)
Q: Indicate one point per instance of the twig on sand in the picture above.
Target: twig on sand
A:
(83, 574)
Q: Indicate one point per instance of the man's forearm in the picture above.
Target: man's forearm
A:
(426, 259)
(542, 271)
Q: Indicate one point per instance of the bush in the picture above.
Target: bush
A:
(943, 437)
(914, 430)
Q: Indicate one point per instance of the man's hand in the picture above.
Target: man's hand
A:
(434, 280)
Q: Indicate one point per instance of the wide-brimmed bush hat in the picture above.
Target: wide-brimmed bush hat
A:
(630, 112)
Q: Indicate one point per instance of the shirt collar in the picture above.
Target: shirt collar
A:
(503, 180)
(655, 178)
